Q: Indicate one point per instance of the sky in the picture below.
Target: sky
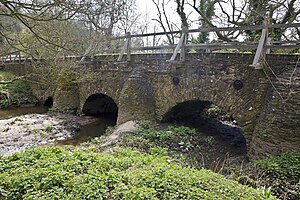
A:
(148, 11)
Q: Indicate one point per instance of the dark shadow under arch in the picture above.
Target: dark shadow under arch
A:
(209, 120)
(100, 105)
(49, 102)
(185, 110)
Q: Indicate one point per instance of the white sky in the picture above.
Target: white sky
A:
(149, 11)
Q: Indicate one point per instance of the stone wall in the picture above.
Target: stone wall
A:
(278, 128)
(40, 91)
(207, 77)
(144, 88)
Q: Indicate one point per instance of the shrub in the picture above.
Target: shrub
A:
(282, 174)
(279, 173)
(162, 135)
(55, 173)
(285, 166)
(19, 92)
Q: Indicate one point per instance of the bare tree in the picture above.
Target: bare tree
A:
(242, 13)
(98, 17)
(163, 20)
(55, 28)
(252, 12)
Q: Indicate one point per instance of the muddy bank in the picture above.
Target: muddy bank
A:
(19, 133)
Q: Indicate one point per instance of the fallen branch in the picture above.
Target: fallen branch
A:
(14, 79)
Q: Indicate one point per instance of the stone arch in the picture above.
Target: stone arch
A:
(185, 109)
(200, 82)
(99, 104)
(194, 113)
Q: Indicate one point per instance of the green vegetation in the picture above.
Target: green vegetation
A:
(162, 135)
(279, 173)
(54, 173)
(182, 142)
(285, 166)
(282, 174)
(15, 93)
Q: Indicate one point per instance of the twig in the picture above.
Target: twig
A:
(294, 71)
(14, 79)
(273, 85)
(274, 73)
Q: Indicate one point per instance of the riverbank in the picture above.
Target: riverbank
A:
(19, 133)
(177, 144)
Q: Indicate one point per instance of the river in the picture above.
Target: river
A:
(217, 139)
(66, 129)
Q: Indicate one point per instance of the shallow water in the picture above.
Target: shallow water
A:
(17, 111)
(222, 143)
(91, 130)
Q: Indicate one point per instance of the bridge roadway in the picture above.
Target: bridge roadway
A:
(266, 107)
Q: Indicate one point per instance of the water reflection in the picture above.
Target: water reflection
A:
(89, 131)
(96, 126)
(17, 111)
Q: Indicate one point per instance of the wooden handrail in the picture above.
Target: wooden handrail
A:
(263, 45)
(214, 29)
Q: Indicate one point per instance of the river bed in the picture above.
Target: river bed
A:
(20, 128)
(18, 111)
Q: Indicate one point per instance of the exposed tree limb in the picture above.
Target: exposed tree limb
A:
(208, 22)
(14, 79)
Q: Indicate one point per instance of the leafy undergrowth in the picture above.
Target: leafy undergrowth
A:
(186, 143)
(16, 93)
(280, 173)
(55, 173)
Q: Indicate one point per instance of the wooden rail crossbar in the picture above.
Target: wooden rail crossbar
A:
(240, 28)
(262, 47)
(15, 56)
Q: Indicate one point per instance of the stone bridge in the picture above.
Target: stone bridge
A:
(266, 107)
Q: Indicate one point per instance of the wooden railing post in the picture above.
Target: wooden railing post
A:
(19, 54)
(181, 45)
(207, 49)
(126, 48)
(261, 48)
(268, 50)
